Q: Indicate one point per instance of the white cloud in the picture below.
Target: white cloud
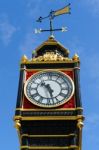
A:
(6, 29)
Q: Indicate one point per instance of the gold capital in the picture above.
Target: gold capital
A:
(76, 57)
(17, 124)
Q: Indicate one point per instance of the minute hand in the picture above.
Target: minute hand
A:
(50, 90)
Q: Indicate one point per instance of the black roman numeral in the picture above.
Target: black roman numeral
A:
(56, 99)
(48, 101)
(62, 94)
(49, 77)
(40, 100)
(64, 88)
(35, 95)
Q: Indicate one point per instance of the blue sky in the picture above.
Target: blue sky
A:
(17, 24)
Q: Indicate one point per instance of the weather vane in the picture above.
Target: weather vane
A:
(51, 16)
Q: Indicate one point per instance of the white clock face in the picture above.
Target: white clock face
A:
(49, 88)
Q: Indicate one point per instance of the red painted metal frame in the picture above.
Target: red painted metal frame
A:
(70, 104)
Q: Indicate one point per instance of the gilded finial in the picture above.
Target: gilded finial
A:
(76, 57)
(24, 59)
(68, 51)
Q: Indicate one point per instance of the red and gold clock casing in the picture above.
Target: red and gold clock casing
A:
(70, 103)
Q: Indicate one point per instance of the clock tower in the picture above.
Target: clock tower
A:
(49, 113)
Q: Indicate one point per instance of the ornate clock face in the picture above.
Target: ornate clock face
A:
(49, 88)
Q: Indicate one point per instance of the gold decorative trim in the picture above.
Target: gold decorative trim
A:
(50, 57)
(49, 118)
(48, 62)
(49, 147)
(59, 69)
(80, 126)
(26, 135)
(18, 126)
(59, 109)
(76, 68)
(79, 108)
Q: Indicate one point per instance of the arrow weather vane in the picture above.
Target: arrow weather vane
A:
(51, 16)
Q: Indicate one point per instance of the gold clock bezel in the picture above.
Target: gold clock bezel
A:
(48, 106)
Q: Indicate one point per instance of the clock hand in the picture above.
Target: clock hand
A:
(47, 86)
(50, 92)
(49, 89)
(42, 83)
